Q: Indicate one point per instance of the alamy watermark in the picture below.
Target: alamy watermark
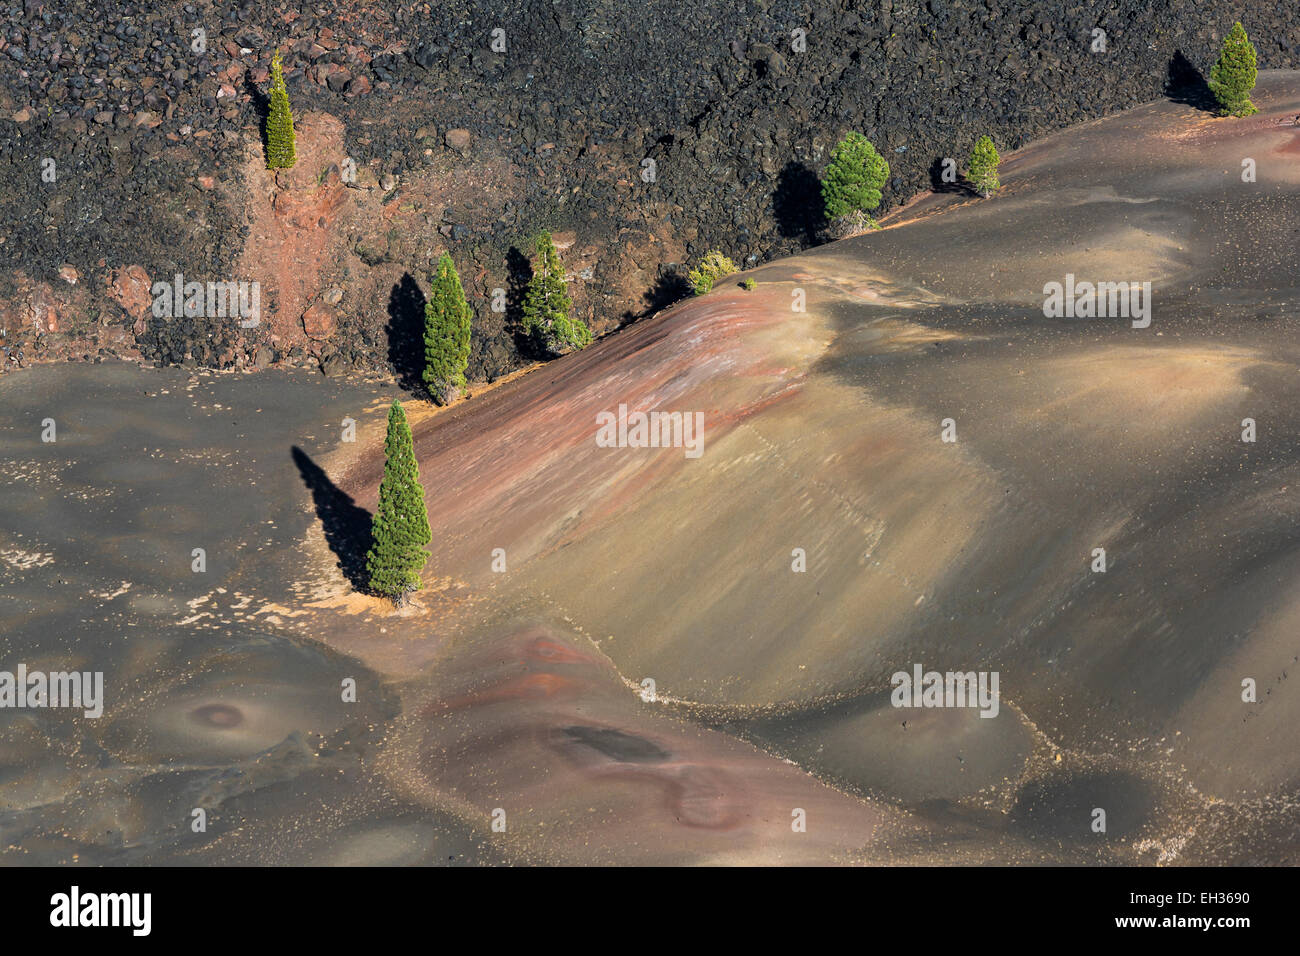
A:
(651, 430)
(1085, 300)
(24, 689)
(953, 689)
(212, 300)
(128, 910)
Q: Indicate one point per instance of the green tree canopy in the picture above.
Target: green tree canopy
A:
(1233, 76)
(853, 178)
(447, 318)
(712, 267)
(280, 152)
(984, 161)
(400, 528)
(547, 303)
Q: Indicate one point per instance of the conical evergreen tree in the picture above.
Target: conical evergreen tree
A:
(546, 304)
(447, 319)
(984, 161)
(400, 529)
(280, 152)
(1233, 76)
(853, 178)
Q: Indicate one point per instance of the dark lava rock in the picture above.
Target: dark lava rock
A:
(737, 118)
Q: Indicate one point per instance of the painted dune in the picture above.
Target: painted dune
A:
(823, 433)
(643, 655)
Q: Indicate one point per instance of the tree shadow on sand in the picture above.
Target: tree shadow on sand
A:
(671, 287)
(939, 185)
(519, 272)
(346, 526)
(405, 332)
(1185, 84)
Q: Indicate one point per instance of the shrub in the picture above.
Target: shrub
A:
(280, 153)
(400, 528)
(712, 267)
(447, 318)
(1233, 76)
(546, 304)
(984, 161)
(749, 285)
(853, 178)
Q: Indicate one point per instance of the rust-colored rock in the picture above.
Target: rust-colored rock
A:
(319, 321)
(41, 313)
(129, 288)
(459, 139)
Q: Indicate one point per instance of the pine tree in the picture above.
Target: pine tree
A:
(546, 304)
(400, 529)
(447, 319)
(984, 161)
(280, 152)
(1233, 76)
(712, 267)
(854, 178)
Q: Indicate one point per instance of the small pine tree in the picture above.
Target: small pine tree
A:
(400, 528)
(280, 152)
(447, 319)
(854, 178)
(546, 304)
(712, 267)
(984, 161)
(1233, 76)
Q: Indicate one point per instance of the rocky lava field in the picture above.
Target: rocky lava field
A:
(154, 130)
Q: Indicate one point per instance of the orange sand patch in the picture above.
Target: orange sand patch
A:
(291, 239)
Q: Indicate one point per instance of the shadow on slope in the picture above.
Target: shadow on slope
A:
(346, 526)
(1186, 84)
